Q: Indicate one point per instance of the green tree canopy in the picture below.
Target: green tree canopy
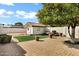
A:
(18, 24)
(60, 14)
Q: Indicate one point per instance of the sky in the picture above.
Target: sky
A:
(19, 12)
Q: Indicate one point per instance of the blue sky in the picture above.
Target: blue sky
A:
(19, 12)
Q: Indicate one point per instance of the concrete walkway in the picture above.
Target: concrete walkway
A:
(11, 49)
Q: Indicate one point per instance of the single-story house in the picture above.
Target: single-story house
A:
(35, 28)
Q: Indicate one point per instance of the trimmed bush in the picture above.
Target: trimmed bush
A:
(5, 38)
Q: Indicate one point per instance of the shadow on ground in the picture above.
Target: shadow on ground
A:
(72, 45)
(11, 49)
(41, 41)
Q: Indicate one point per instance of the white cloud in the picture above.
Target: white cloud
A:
(30, 15)
(7, 2)
(9, 12)
(2, 11)
(27, 15)
(35, 3)
(18, 13)
(5, 13)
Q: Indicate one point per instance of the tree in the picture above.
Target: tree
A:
(58, 14)
(18, 24)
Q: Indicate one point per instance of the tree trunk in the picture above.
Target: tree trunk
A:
(69, 31)
(72, 35)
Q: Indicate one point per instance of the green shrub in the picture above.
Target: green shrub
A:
(5, 38)
(44, 34)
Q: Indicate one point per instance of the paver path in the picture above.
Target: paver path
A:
(11, 49)
(50, 47)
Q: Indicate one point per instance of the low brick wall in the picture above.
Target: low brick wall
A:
(13, 30)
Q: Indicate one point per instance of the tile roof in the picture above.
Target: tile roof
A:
(37, 24)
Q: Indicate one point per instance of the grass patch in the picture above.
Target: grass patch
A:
(30, 37)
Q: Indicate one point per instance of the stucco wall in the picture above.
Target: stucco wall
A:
(64, 30)
(29, 30)
(38, 30)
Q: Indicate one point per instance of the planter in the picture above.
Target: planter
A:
(37, 38)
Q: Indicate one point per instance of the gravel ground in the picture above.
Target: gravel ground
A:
(11, 49)
(49, 47)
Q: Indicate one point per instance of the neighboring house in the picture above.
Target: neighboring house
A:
(35, 28)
